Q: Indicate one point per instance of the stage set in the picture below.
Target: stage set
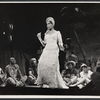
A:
(79, 25)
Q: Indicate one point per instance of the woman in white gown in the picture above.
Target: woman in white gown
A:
(48, 66)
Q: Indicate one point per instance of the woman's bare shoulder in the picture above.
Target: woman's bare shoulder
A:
(57, 32)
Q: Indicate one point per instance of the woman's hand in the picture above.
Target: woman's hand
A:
(39, 35)
(62, 48)
(40, 39)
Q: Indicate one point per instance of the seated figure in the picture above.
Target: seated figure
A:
(32, 71)
(85, 76)
(70, 73)
(13, 74)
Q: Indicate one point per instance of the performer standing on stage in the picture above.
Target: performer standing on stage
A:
(48, 66)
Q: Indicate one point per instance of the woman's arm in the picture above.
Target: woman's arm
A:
(40, 39)
(72, 81)
(60, 42)
(81, 80)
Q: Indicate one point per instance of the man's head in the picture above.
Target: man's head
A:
(71, 64)
(33, 61)
(12, 60)
(84, 68)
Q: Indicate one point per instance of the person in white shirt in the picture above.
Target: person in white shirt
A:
(85, 76)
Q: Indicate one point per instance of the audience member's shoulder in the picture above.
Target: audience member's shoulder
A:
(7, 66)
(17, 66)
(90, 71)
(81, 72)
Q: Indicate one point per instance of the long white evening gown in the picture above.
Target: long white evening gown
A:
(48, 66)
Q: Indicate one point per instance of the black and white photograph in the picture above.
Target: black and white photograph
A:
(50, 48)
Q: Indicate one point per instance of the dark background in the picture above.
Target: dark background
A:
(29, 19)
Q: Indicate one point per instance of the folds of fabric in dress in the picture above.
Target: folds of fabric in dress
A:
(47, 68)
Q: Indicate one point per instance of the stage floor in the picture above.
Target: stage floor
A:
(35, 90)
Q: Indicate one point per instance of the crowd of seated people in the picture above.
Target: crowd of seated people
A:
(72, 76)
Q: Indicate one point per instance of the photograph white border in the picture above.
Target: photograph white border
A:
(48, 96)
